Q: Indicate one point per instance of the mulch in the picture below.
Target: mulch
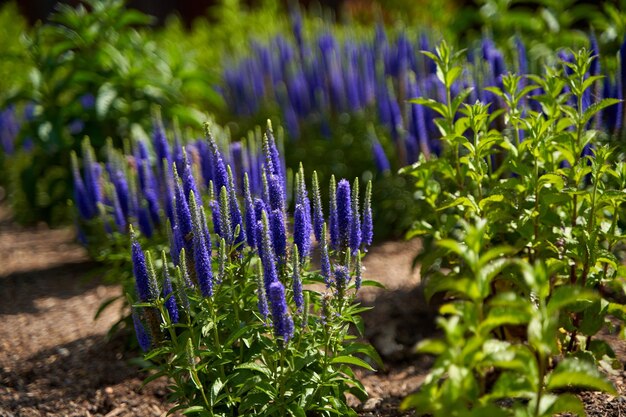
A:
(55, 360)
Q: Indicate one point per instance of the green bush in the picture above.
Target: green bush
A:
(97, 72)
(541, 272)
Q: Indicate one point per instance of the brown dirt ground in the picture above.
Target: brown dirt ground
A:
(56, 361)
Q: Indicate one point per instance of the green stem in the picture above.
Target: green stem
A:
(281, 380)
(542, 372)
(218, 344)
(536, 209)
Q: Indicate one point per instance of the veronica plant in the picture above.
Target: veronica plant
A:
(241, 332)
(138, 187)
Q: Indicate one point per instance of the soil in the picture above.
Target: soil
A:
(55, 360)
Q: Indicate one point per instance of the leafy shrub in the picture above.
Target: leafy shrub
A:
(482, 361)
(548, 255)
(96, 71)
(239, 332)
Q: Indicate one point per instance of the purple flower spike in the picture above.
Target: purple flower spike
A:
(235, 214)
(344, 213)
(276, 194)
(92, 176)
(283, 323)
(380, 158)
(176, 244)
(142, 335)
(143, 218)
(342, 278)
(170, 303)
(279, 238)
(118, 214)
(183, 215)
(303, 227)
(159, 140)
(189, 182)
(83, 203)
(301, 230)
(273, 173)
(367, 228)
(296, 281)
(355, 224)
(145, 284)
(272, 154)
(268, 258)
(201, 253)
(220, 175)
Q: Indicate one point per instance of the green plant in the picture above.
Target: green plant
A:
(96, 71)
(241, 332)
(502, 346)
(550, 190)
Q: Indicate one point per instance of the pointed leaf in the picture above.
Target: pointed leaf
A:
(576, 373)
(352, 360)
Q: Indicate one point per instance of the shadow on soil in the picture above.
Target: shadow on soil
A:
(64, 281)
(86, 370)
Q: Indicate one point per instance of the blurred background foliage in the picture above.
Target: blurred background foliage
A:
(102, 68)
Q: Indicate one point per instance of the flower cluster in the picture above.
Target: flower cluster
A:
(139, 187)
(264, 232)
(314, 79)
(240, 270)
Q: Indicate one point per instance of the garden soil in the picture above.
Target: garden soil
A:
(55, 360)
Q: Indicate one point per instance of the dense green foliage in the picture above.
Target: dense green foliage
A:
(545, 258)
(95, 72)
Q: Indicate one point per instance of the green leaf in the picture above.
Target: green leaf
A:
(575, 373)
(215, 390)
(431, 346)
(460, 98)
(194, 378)
(593, 318)
(106, 95)
(495, 198)
(452, 75)
(553, 180)
(372, 283)
(596, 107)
(196, 409)
(463, 286)
(431, 104)
(233, 337)
(255, 367)
(464, 201)
(511, 385)
(567, 295)
(295, 410)
(352, 360)
(500, 316)
(153, 377)
(568, 403)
